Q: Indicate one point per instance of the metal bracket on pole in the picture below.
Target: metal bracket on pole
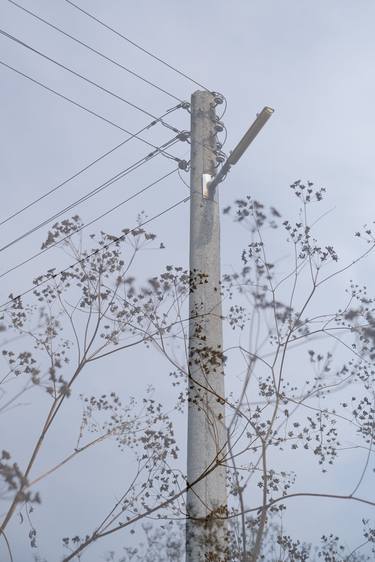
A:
(206, 184)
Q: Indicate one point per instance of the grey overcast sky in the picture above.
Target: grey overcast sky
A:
(314, 62)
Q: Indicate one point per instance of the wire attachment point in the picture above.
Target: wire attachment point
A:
(183, 165)
(185, 105)
(183, 136)
(218, 98)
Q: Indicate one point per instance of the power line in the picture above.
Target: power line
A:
(49, 247)
(97, 251)
(88, 80)
(82, 107)
(135, 44)
(182, 179)
(88, 195)
(75, 175)
(56, 28)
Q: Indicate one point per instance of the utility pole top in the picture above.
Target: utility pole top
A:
(203, 147)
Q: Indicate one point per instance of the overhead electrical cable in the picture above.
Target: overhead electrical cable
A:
(118, 64)
(97, 251)
(87, 196)
(84, 108)
(75, 175)
(62, 96)
(88, 80)
(75, 73)
(79, 229)
(135, 44)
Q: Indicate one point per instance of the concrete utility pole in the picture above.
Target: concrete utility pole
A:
(207, 499)
(206, 533)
